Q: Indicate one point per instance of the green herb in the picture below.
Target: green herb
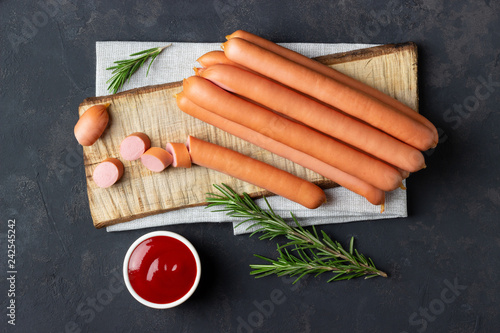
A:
(124, 69)
(305, 253)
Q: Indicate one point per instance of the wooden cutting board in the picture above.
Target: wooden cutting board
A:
(153, 110)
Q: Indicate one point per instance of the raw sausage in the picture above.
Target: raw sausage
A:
(318, 116)
(156, 159)
(330, 91)
(108, 172)
(372, 194)
(253, 171)
(134, 145)
(211, 97)
(334, 74)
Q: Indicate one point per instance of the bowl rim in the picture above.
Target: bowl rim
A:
(161, 305)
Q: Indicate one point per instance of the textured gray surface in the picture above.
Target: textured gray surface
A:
(64, 265)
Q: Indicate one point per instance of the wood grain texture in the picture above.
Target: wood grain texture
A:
(153, 110)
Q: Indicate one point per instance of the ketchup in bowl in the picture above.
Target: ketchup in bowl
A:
(161, 269)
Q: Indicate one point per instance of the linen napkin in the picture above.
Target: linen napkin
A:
(175, 63)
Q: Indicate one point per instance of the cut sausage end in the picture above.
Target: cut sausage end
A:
(108, 172)
(91, 125)
(134, 145)
(180, 155)
(156, 159)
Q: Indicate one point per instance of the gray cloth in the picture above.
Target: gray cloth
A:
(175, 63)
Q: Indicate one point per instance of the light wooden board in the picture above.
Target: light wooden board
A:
(152, 110)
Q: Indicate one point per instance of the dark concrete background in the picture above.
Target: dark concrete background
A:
(443, 260)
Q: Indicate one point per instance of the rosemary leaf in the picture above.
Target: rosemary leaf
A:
(124, 69)
(306, 252)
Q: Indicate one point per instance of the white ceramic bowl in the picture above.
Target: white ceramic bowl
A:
(161, 305)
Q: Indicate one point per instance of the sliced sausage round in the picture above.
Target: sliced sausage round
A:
(134, 145)
(180, 154)
(108, 172)
(156, 159)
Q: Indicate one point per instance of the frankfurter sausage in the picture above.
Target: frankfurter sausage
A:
(334, 74)
(213, 98)
(320, 117)
(253, 171)
(372, 194)
(330, 91)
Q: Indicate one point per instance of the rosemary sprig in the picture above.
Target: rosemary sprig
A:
(305, 253)
(124, 69)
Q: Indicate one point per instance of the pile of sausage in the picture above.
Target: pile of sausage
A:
(317, 117)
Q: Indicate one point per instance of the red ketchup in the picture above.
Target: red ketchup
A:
(162, 269)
